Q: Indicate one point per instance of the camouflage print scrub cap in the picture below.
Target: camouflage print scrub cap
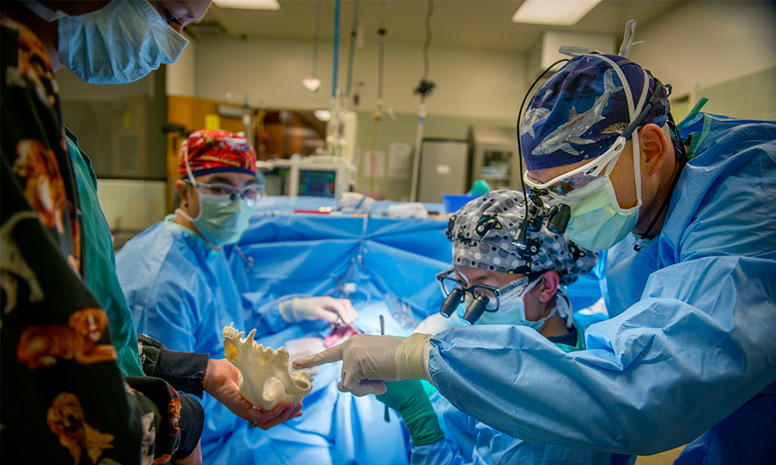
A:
(579, 112)
(482, 231)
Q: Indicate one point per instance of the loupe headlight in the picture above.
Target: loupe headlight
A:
(451, 302)
(537, 211)
(559, 218)
(475, 309)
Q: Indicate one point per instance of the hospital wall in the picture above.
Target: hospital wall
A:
(695, 45)
(472, 87)
(470, 83)
(723, 50)
(707, 43)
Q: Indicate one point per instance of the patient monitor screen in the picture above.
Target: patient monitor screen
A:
(317, 183)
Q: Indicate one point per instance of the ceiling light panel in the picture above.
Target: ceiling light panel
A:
(248, 4)
(553, 12)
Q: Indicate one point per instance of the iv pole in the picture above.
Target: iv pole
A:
(424, 89)
(246, 116)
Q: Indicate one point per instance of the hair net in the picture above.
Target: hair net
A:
(579, 112)
(482, 231)
(213, 150)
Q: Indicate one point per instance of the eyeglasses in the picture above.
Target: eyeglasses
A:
(493, 295)
(562, 185)
(249, 194)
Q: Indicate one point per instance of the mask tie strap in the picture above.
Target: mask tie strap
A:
(193, 183)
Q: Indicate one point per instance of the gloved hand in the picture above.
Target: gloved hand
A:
(368, 361)
(304, 346)
(409, 398)
(319, 308)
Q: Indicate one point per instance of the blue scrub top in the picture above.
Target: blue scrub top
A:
(469, 441)
(691, 338)
(183, 293)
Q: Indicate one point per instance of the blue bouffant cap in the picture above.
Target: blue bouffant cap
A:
(579, 112)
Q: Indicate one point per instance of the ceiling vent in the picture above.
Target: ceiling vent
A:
(545, 52)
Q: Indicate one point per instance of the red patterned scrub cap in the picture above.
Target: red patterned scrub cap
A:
(215, 150)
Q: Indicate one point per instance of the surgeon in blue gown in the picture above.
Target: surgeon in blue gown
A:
(180, 289)
(688, 355)
(523, 287)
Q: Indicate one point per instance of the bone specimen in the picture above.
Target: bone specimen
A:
(265, 376)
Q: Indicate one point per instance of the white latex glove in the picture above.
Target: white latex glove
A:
(368, 361)
(319, 308)
(302, 347)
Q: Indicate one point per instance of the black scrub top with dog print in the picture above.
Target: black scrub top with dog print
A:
(63, 397)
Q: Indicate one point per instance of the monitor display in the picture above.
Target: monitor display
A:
(317, 183)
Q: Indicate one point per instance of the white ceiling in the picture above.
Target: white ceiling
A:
(459, 23)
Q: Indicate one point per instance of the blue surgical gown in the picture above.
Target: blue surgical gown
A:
(469, 441)
(182, 293)
(692, 339)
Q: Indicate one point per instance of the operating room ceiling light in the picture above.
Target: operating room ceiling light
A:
(553, 12)
(311, 83)
(249, 4)
(322, 115)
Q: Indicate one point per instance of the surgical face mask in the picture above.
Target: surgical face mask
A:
(512, 311)
(119, 43)
(221, 220)
(597, 221)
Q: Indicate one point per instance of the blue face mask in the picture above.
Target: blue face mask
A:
(221, 220)
(512, 311)
(119, 43)
(597, 220)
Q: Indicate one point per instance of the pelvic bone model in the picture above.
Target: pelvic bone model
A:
(265, 377)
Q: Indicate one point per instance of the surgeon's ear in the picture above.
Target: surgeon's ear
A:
(654, 146)
(548, 286)
(183, 192)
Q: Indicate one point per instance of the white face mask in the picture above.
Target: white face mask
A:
(597, 221)
(119, 43)
(512, 311)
